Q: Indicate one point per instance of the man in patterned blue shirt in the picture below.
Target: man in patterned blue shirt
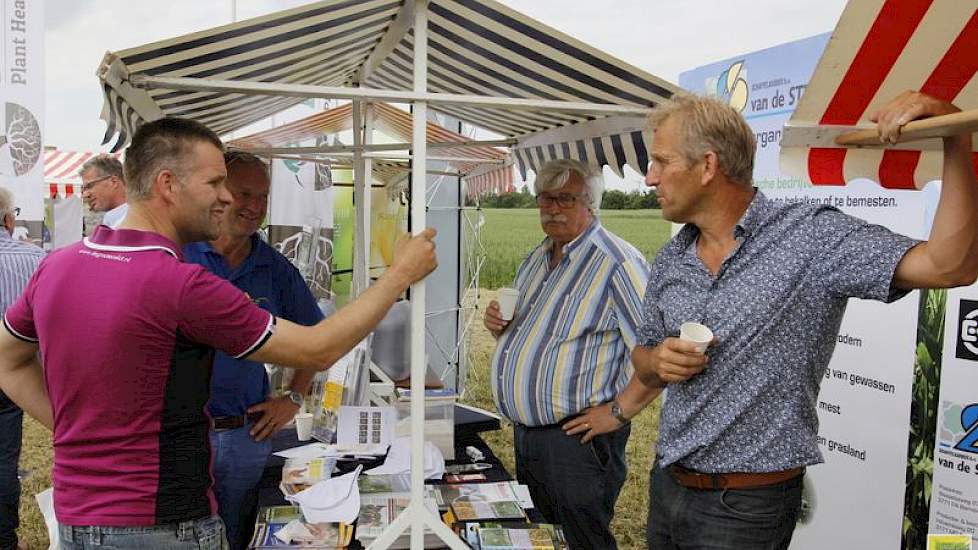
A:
(17, 262)
(561, 370)
(739, 423)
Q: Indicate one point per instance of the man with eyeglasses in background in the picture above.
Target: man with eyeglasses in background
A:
(18, 261)
(561, 371)
(243, 414)
(104, 188)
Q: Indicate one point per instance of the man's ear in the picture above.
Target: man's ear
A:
(8, 223)
(711, 167)
(165, 185)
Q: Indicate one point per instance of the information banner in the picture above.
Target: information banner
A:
(22, 107)
(855, 499)
(954, 491)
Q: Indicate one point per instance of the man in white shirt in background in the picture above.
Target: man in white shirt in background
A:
(104, 188)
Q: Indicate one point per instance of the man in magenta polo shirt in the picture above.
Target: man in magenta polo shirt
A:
(128, 349)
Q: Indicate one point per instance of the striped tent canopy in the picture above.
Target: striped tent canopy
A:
(61, 171)
(475, 47)
(879, 49)
(493, 173)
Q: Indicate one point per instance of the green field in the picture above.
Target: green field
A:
(509, 235)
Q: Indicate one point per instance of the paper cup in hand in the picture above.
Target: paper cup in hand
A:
(303, 426)
(696, 333)
(507, 302)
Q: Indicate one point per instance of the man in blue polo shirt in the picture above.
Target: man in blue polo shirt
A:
(244, 416)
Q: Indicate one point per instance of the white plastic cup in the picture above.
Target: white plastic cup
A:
(699, 334)
(303, 426)
(507, 302)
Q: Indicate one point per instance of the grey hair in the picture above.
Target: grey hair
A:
(107, 165)
(554, 175)
(708, 124)
(237, 157)
(6, 202)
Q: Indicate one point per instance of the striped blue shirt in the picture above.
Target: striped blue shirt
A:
(569, 344)
(17, 263)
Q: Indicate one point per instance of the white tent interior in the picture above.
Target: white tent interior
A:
(545, 93)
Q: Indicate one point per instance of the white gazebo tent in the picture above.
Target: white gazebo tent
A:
(481, 169)
(475, 60)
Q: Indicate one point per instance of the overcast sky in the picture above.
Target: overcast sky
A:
(663, 37)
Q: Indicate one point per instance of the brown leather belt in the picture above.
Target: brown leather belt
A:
(220, 423)
(737, 480)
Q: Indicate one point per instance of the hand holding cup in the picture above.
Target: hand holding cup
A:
(500, 313)
(698, 334)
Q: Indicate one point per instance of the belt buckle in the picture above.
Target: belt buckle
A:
(224, 423)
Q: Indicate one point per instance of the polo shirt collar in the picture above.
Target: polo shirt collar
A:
(130, 240)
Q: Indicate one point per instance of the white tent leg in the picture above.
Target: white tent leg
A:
(419, 138)
(362, 180)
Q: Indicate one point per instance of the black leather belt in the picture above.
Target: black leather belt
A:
(221, 423)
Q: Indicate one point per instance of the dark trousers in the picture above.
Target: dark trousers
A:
(681, 518)
(11, 430)
(572, 484)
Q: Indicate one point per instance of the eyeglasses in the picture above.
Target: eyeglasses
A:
(89, 185)
(16, 211)
(563, 200)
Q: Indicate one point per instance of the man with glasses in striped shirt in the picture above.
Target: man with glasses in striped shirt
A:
(18, 261)
(561, 370)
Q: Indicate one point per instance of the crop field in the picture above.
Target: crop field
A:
(509, 235)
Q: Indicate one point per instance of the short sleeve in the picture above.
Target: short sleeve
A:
(652, 330)
(18, 319)
(858, 259)
(215, 313)
(628, 284)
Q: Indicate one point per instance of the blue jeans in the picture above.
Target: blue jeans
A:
(203, 534)
(11, 426)
(681, 518)
(572, 484)
(238, 463)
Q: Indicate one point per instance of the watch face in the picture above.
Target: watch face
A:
(295, 397)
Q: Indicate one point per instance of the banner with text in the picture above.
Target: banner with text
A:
(22, 95)
(954, 496)
(855, 499)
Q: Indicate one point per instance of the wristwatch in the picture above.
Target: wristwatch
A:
(617, 413)
(295, 397)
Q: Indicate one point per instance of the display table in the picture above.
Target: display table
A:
(469, 424)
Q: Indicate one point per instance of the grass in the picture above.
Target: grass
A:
(508, 236)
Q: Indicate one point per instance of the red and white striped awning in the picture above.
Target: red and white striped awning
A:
(61, 171)
(490, 182)
(879, 49)
(487, 176)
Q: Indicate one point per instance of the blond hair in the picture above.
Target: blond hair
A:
(708, 124)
